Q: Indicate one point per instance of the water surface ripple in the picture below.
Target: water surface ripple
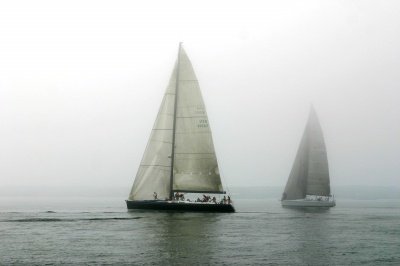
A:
(260, 233)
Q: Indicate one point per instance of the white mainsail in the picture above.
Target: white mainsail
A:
(195, 167)
(310, 172)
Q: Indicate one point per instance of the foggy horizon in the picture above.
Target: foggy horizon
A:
(80, 87)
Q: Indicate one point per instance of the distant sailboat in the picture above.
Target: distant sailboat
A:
(180, 156)
(308, 183)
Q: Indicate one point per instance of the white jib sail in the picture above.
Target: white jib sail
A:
(155, 168)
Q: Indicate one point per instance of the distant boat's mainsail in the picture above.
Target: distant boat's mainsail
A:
(191, 165)
(310, 172)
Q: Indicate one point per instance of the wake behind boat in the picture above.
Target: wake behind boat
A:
(308, 184)
(180, 155)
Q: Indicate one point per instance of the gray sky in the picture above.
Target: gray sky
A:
(81, 83)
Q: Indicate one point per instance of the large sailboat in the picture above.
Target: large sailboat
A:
(308, 183)
(180, 159)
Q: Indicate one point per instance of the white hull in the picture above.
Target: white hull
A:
(308, 203)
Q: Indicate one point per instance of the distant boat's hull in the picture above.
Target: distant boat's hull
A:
(178, 206)
(308, 203)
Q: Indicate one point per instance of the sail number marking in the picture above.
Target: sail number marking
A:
(202, 123)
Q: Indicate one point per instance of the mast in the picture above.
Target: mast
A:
(171, 185)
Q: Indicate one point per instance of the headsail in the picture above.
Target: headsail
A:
(195, 167)
(310, 172)
(154, 171)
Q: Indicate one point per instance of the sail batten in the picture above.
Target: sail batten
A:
(310, 171)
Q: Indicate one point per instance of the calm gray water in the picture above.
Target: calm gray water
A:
(100, 231)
